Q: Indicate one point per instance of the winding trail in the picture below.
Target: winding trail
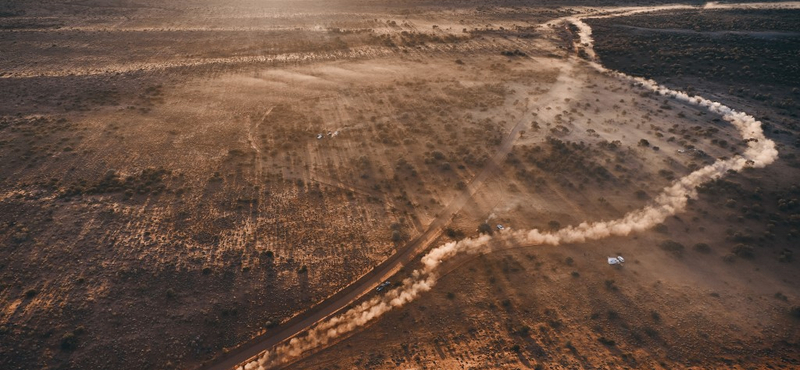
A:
(323, 328)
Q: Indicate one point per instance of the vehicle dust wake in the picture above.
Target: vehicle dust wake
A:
(760, 152)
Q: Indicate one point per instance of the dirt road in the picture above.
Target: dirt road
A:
(339, 301)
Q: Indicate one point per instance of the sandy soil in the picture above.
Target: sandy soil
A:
(178, 179)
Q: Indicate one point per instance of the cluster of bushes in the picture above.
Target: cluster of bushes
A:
(559, 156)
(455, 234)
(665, 53)
(20, 233)
(672, 247)
(69, 341)
(397, 232)
(406, 38)
(724, 20)
(148, 181)
(513, 53)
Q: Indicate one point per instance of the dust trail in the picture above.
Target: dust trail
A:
(673, 199)
(765, 5)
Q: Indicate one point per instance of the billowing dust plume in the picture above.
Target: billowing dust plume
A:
(673, 199)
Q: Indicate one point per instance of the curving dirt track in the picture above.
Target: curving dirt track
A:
(172, 204)
(347, 296)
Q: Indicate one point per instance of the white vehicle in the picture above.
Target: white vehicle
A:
(383, 285)
(618, 260)
(319, 136)
(500, 227)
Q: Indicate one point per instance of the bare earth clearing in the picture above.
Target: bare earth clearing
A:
(177, 180)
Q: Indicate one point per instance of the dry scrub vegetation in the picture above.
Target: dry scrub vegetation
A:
(175, 180)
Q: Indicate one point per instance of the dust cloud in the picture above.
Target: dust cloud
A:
(760, 152)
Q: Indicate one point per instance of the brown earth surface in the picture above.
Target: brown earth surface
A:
(178, 179)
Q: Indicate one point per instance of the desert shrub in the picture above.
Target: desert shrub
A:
(606, 341)
(655, 315)
(302, 270)
(641, 195)
(702, 248)
(30, 293)
(575, 274)
(485, 228)
(20, 234)
(661, 228)
(396, 236)
(744, 251)
(554, 225)
(454, 233)
(69, 341)
(644, 142)
(672, 246)
(651, 332)
(787, 204)
(795, 311)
